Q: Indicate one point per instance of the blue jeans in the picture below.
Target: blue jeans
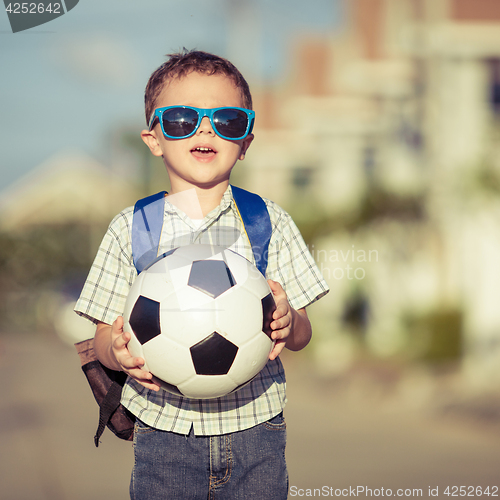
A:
(244, 465)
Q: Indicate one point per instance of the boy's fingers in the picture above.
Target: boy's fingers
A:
(280, 311)
(144, 378)
(281, 319)
(272, 284)
(122, 340)
(278, 347)
(280, 333)
(130, 362)
(150, 385)
(139, 374)
(276, 288)
(118, 324)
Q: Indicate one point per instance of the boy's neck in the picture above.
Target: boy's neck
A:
(197, 202)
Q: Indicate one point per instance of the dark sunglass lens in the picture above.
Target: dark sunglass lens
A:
(231, 123)
(179, 122)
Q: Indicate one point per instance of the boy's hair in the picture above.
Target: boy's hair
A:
(185, 62)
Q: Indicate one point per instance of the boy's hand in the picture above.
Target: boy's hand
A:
(282, 319)
(129, 364)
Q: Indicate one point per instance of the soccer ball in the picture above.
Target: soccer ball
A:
(200, 317)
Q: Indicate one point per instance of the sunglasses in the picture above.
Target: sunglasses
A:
(180, 122)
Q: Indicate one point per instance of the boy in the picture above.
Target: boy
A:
(231, 447)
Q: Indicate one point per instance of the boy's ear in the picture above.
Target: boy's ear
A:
(149, 137)
(245, 145)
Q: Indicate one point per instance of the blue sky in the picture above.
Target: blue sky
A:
(65, 84)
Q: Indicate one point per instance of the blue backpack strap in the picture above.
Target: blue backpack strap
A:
(255, 216)
(147, 224)
(146, 229)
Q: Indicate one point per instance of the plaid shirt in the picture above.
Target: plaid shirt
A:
(113, 272)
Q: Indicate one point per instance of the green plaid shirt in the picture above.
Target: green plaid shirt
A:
(113, 272)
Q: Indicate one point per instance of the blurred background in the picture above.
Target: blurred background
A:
(378, 126)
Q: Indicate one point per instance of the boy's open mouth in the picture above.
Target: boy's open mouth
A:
(203, 151)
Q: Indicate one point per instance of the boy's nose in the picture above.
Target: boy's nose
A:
(205, 126)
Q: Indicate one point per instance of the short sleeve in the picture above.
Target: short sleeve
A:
(111, 275)
(291, 264)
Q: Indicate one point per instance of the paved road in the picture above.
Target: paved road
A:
(339, 436)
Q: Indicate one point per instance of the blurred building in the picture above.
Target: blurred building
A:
(387, 133)
(70, 187)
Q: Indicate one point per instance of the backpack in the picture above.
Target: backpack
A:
(147, 224)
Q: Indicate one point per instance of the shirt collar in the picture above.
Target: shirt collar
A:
(226, 203)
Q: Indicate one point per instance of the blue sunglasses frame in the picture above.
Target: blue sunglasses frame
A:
(202, 112)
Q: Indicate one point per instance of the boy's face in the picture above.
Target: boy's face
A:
(203, 160)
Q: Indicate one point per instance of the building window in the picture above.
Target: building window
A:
(302, 177)
(494, 67)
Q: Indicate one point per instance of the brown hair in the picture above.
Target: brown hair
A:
(185, 62)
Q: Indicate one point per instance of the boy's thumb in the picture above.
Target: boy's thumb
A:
(274, 286)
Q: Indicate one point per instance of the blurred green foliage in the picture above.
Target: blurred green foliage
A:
(314, 222)
(487, 178)
(436, 336)
(36, 261)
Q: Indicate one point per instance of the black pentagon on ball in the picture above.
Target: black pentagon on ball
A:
(212, 277)
(268, 308)
(145, 319)
(213, 355)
